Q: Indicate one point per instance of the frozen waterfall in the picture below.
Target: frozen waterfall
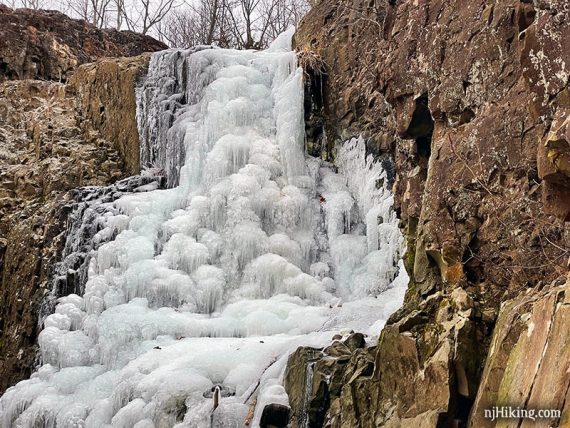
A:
(252, 251)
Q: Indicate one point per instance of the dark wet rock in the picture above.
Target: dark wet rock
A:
(275, 416)
(319, 384)
(89, 205)
(355, 341)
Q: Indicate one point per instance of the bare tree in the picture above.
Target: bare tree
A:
(257, 22)
(119, 13)
(144, 15)
(179, 29)
(32, 4)
(96, 12)
(206, 22)
(77, 8)
(243, 19)
(100, 12)
(242, 24)
(210, 13)
(10, 3)
(215, 16)
(283, 14)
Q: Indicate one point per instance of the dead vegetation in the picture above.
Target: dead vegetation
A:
(311, 62)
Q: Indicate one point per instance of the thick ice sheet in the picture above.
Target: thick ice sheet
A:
(253, 251)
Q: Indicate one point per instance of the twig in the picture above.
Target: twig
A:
(466, 165)
(259, 380)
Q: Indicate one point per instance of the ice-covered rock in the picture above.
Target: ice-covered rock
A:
(215, 280)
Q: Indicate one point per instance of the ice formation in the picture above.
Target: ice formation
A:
(214, 280)
(92, 221)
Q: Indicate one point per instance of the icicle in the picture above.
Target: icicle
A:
(214, 280)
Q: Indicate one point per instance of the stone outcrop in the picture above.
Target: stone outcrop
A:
(331, 375)
(105, 91)
(529, 356)
(48, 45)
(44, 154)
(471, 100)
(54, 138)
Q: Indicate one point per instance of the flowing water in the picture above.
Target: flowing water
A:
(252, 251)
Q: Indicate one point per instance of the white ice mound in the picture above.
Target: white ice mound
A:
(215, 280)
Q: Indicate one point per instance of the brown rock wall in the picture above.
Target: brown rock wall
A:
(44, 154)
(470, 99)
(48, 45)
(105, 92)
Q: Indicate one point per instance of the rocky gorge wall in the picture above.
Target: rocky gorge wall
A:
(54, 138)
(48, 45)
(471, 100)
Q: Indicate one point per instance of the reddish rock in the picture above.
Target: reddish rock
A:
(49, 45)
(471, 100)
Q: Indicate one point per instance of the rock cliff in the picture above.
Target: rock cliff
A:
(55, 137)
(471, 100)
(48, 45)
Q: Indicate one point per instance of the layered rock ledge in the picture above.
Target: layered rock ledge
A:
(48, 45)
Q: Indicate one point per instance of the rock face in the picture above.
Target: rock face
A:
(54, 138)
(49, 45)
(529, 356)
(105, 91)
(331, 376)
(44, 154)
(471, 100)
